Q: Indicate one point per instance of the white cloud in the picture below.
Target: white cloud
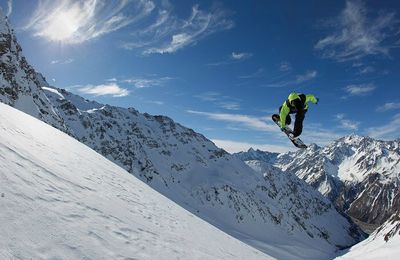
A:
(306, 77)
(253, 75)
(367, 70)
(74, 22)
(316, 133)
(209, 96)
(285, 66)
(235, 146)
(230, 105)
(10, 8)
(147, 82)
(155, 102)
(222, 101)
(168, 33)
(346, 123)
(62, 62)
(357, 64)
(386, 131)
(357, 34)
(245, 120)
(309, 75)
(111, 89)
(234, 57)
(360, 90)
(241, 55)
(388, 106)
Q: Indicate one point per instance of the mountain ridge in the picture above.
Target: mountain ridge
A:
(347, 172)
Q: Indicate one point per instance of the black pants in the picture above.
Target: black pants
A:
(298, 123)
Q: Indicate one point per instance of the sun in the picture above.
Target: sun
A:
(62, 26)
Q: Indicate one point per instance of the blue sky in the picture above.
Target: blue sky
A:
(223, 67)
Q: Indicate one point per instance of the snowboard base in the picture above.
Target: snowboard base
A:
(296, 141)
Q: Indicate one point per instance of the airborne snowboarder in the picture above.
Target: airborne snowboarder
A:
(296, 103)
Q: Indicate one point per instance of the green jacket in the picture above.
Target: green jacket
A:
(286, 107)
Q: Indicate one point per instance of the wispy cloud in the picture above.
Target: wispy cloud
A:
(209, 96)
(388, 106)
(62, 62)
(389, 130)
(235, 146)
(285, 66)
(253, 75)
(241, 55)
(141, 82)
(309, 75)
(306, 77)
(357, 34)
(314, 133)
(235, 57)
(111, 89)
(219, 100)
(230, 105)
(346, 123)
(359, 90)
(366, 70)
(245, 120)
(9, 7)
(155, 102)
(74, 22)
(168, 33)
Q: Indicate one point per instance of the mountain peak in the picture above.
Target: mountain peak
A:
(353, 138)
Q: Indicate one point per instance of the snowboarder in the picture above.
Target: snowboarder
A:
(296, 103)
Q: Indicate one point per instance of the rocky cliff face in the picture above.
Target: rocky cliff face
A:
(20, 85)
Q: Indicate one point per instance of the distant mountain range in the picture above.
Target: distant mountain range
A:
(360, 175)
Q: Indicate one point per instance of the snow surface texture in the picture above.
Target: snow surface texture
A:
(384, 243)
(61, 200)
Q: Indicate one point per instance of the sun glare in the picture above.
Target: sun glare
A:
(62, 27)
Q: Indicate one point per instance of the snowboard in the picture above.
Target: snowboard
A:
(296, 141)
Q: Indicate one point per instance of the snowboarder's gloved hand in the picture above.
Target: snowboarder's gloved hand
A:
(317, 101)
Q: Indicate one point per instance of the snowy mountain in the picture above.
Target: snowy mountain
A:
(384, 243)
(359, 174)
(251, 154)
(61, 200)
(271, 211)
(189, 169)
(20, 85)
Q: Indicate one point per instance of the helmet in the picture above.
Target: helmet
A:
(292, 97)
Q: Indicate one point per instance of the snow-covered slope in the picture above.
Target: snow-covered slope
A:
(384, 243)
(20, 85)
(359, 174)
(192, 171)
(61, 200)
